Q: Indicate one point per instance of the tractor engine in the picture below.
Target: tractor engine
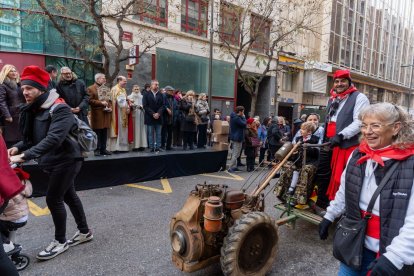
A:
(197, 231)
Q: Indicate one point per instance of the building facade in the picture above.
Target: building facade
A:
(374, 39)
(27, 37)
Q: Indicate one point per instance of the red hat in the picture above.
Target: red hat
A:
(250, 120)
(342, 74)
(35, 76)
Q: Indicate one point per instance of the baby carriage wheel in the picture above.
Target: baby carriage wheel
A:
(21, 261)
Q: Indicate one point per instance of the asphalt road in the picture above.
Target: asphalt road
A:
(131, 234)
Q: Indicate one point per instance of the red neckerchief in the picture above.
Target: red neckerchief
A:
(388, 152)
(342, 95)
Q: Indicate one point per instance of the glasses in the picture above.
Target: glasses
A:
(69, 73)
(374, 127)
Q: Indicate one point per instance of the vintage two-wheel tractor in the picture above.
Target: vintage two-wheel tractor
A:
(217, 224)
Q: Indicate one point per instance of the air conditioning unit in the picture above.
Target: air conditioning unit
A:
(315, 81)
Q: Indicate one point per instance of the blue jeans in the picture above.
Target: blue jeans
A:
(151, 131)
(367, 258)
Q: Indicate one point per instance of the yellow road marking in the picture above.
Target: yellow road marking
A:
(232, 176)
(166, 188)
(37, 210)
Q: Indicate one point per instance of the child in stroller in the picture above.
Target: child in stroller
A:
(16, 213)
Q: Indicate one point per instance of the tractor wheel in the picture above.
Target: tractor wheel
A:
(250, 246)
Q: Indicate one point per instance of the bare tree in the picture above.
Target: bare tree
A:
(260, 30)
(105, 20)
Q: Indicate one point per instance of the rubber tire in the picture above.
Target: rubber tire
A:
(23, 262)
(234, 243)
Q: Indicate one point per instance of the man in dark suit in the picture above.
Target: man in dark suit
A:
(153, 103)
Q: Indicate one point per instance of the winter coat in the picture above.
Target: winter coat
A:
(51, 145)
(10, 100)
(285, 132)
(100, 119)
(9, 182)
(202, 111)
(171, 104)
(312, 154)
(250, 133)
(17, 206)
(274, 135)
(249, 150)
(151, 106)
(262, 134)
(187, 125)
(237, 127)
(75, 95)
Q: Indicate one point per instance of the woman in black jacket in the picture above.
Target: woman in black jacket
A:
(45, 138)
(188, 126)
(11, 97)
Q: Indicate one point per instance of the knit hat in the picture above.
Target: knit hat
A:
(250, 120)
(169, 88)
(35, 76)
(342, 74)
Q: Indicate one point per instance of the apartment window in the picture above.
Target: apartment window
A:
(260, 32)
(194, 17)
(380, 95)
(230, 24)
(152, 11)
(287, 82)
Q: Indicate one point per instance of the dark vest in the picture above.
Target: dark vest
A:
(344, 119)
(394, 198)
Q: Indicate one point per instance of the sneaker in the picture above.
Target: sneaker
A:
(52, 250)
(80, 238)
(233, 170)
(8, 247)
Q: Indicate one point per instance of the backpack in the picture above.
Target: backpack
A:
(83, 135)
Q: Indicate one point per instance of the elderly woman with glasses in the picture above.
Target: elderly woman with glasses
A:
(387, 138)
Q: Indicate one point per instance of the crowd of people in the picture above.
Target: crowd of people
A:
(362, 144)
(152, 118)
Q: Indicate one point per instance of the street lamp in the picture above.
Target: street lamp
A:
(411, 84)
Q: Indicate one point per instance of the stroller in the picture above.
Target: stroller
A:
(20, 260)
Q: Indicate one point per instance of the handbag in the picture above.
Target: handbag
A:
(255, 141)
(349, 236)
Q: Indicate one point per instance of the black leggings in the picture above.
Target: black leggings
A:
(61, 189)
(7, 226)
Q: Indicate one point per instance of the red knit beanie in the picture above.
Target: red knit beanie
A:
(35, 76)
(250, 120)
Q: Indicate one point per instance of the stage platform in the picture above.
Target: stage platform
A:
(135, 167)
